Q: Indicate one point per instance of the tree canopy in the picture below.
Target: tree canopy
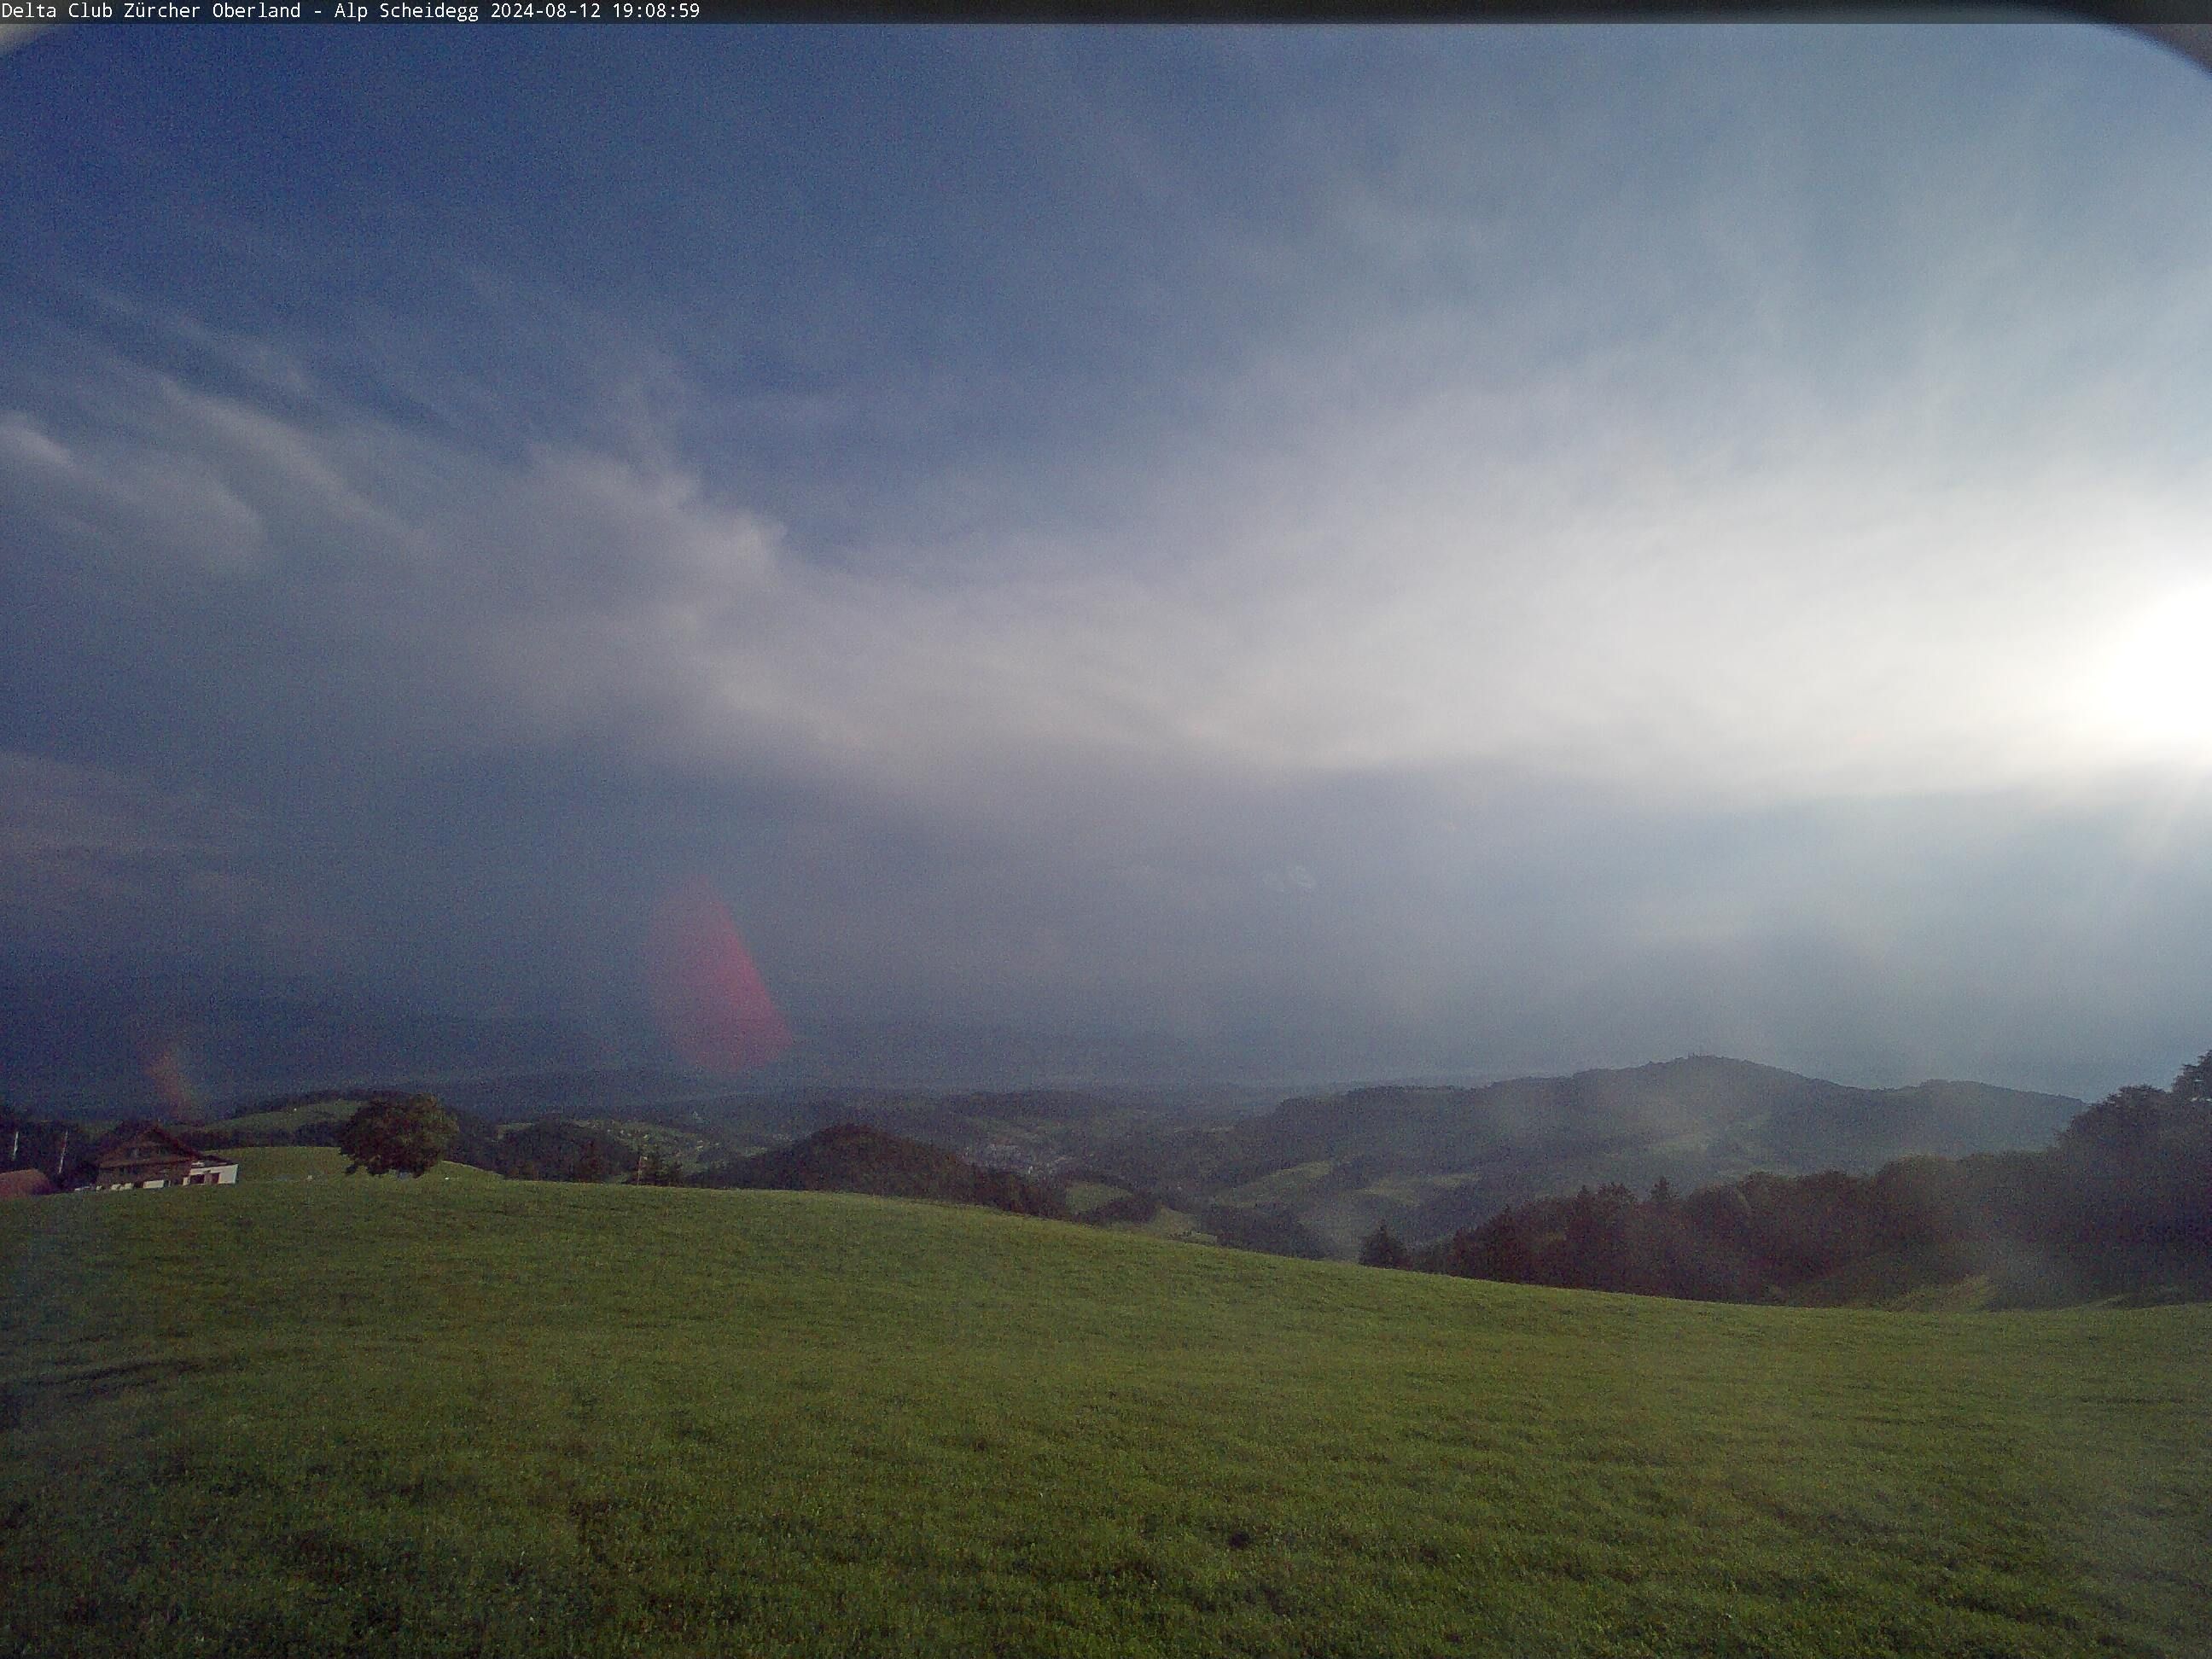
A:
(407, 1134)
(1380, 1248)
(853, 1158)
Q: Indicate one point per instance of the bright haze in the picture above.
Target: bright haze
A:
(1343, 554)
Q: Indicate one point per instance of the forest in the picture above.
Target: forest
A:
(2119, 1205)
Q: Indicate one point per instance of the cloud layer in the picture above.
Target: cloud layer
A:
(1462, 580)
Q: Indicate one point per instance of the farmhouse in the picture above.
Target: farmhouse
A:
(148, 1155)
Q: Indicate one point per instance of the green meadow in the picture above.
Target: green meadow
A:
(484, 1417)
(263, 1163)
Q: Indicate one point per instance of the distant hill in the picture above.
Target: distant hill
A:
(852, 1157)
(1039, 1132)
(1431, 1160)
(2119, 1205)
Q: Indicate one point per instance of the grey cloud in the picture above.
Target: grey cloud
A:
(1838, 624)
(96, 861)
(61, 811)
(1481, 610)
(154, 503)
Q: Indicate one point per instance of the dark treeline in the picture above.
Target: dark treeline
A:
(1273, 1229)
(54, 1144)
(2120, 1204)
(852, 1157)
(551, 1149)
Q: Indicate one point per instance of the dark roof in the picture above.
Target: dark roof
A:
(26, 1183)
(127, 1138)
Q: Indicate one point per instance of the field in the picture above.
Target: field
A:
(1084, 1196)
(505, 1418)
(260, 1163)
(281, 1122)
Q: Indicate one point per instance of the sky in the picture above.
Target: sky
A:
(1343, 553)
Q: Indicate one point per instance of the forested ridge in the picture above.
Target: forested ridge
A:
(852, 1157)
(2120, 1204)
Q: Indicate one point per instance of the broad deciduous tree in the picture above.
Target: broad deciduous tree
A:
(387, 1135)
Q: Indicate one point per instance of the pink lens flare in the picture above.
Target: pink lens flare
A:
(709, 999)
(165, 1069)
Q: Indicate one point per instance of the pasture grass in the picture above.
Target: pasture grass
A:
(287, 1119)
(1293, 1184)
(1922, 1279)
(513, 1418)
(1179, 1225)
(1085, 1196)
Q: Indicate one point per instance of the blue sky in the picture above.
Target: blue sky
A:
(1353, 552)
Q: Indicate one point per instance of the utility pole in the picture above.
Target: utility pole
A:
(61, 1158)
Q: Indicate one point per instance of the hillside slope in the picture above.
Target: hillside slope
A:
(852, 1157)
(454, 1418)
(1429, 1160)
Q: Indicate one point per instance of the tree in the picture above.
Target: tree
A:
(2194, 1086)
(2121, 1125)
(1499, 1249)
(407, 1134)
(1380, 1248)
(654, 1170)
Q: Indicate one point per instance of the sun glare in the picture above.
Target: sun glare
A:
(2157, 686)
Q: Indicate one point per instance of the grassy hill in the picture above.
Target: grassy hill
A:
(486, 1416)
(278, 1125)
